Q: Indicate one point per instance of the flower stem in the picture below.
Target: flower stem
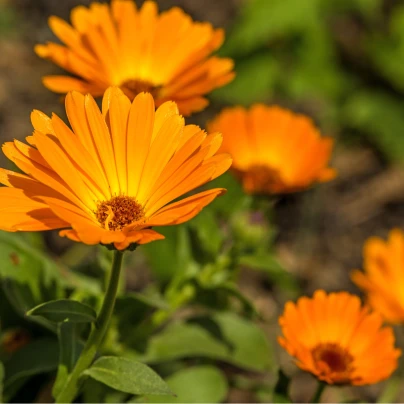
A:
(72, 385)
(319, 392)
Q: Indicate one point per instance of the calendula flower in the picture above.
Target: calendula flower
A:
(383, 276)
(273, 149)
(113, 175)
(336, 339)
(167, 55)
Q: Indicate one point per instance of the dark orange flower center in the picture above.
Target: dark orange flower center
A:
(334, 361)
(132, 88)
(119, 212)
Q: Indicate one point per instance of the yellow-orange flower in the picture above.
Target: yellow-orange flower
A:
(167, 55)
(383, 279)
(114, 175)
(273, 149)
(337, 340)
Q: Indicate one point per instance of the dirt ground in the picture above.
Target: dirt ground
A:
(321, 231)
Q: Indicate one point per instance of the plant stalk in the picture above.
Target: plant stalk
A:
(317, 395)
(73, 384)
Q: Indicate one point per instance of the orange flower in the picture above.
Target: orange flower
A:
(137, 50)
(114, 175)
(273, 149)
(383, 280)
(337, 340)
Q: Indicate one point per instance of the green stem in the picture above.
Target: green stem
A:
(72, 385)
(317, 395)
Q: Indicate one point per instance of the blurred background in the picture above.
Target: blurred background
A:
(340, 62)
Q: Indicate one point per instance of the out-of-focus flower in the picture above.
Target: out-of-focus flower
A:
(167, 55)
(337, 340)
(273, 149)
(383, 276)
(114, 175)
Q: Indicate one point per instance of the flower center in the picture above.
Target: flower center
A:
(132, 88)
(119, 212)
(331, 358)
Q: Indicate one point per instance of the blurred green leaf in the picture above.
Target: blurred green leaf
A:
(380, 115)
(270, 264)
(39, 356)
(208, 235)
(263, 20)
(172, 256)
(70, 349)
(243, 344)
(61, 310)
(128, 376)
(245, 91)
(199, 384)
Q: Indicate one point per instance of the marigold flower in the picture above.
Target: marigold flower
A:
(273, 149)
(337, 340)
(112, 176)
(137, 50)
(383, 279)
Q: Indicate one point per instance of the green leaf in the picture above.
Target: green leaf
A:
(200, 384)
(39, 356)
(276, 272)
(70, 349)
(239, 342)
(64, 310)
(244, 91)
(380, 116)
(128, 376)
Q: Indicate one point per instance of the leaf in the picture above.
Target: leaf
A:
(379, 115)
(239, 342)
(64, 310)
(70, 349)
(39, 356)
(244, 91)
(276, 272)
(128, 376)
(174, 255)
(199, 384)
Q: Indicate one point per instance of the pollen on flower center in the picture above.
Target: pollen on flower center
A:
(332, 358)
(119, 212)
(132, 88)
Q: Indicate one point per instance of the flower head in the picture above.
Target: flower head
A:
(383, 279)
(167, 55)
(114, 175)
(273, 149)
(337, 340)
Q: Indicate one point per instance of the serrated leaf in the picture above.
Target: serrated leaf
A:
(64, 310)
(127, 375)
(200, 384)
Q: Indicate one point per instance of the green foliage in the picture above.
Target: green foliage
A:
(199, 384)
(62, 310)
(128, 376)
(323, 58)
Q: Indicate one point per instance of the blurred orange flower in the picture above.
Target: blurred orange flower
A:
(137, 50)
(337, 340)
(273, 149)
(383, 279)
(114, 175)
